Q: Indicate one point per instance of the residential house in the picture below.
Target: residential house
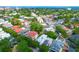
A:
(28, 17)
(55, 16)
(44, 39)
(1, 21)
(50, 28)
(56, 46)
(23, 32)
(3, 34)
(21, 17)
(68, 30)
(32, 34)
(48, 21)
(72, 19)
(26, 23)
(17, 29)
(59, 44)
(60, 21)
(39, 19)
(7, 24)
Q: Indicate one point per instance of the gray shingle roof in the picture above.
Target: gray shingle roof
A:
(57, 45)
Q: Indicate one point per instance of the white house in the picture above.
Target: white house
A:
(1, 21)
(39, 19)
(43, 38)
(7, 24)
(49, 29)
(3, 34)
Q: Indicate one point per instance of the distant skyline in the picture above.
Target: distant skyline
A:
(57, 7)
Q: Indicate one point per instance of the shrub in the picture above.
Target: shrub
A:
(51, 34)
(76, 30)
(36, 27)
(44, 48)
(22, 47)
(5, 45)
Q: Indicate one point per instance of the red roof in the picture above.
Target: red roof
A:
(66, 28)
(32, 33)
(14, 27)
(17, 29)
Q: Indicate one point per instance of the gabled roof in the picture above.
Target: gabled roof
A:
(60, 21)
(32, 33)
(57, 45)
(4, 35)
(44, 38)
(14, 27)
(7, 24)
(17, 29)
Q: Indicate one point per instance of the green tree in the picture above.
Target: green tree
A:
(76, 30)
(51, 34)
(44, 48)
(62, 31)
(22, 39)
(15, 21)
(34, 44)
(35, 26)
(13, 33)
(16, 16)
(5, 45)
(23, 47)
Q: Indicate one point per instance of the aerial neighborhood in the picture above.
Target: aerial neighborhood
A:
(39, 30)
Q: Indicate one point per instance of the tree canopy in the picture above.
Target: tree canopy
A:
(36, 27)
